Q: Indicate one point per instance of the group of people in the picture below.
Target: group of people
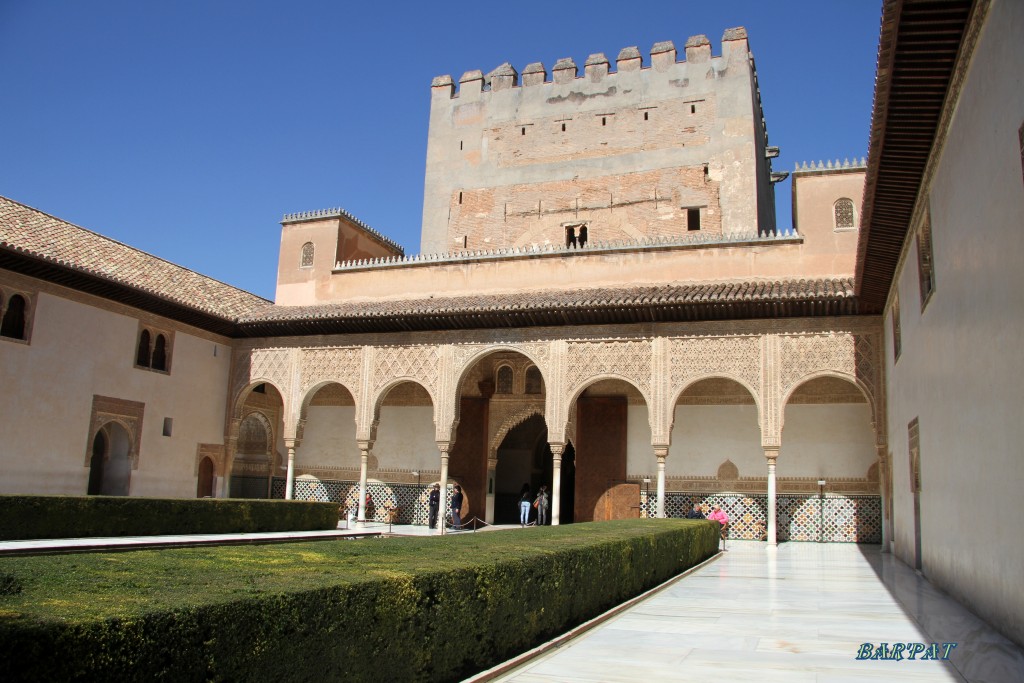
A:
(717, 514)
(434, 506)
(539, 503)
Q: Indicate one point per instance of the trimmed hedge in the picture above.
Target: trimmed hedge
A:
(408, 609)
(32, 517)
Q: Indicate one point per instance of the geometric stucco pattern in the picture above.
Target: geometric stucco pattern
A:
(629, 359)
(738, 357)
(342, 365)
(414, 362)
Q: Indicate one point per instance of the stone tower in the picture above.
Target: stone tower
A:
(649, 150)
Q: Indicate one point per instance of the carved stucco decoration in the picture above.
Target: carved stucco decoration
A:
(696, 358)
(341, 365)
(587, 361)
(127, 414)
(853, 356)
(419, 363)
(506, 416)
(254, 366)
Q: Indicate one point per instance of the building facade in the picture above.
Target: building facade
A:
(603, 305)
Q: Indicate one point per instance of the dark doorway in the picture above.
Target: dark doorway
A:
(567, 507)
(524, 457)
(99, 452)
(204, 488)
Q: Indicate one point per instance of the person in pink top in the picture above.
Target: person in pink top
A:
(718, 514)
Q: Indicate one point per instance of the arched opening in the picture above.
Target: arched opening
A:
(257, 470)
(13, 325)
(612, 435)
(524, 463)
(160, 353)
(204, 485)
(827, 436)
(716, 443)
(328, 443)
(498, 392)
(142, 355)
(406, 442)
(110, 467)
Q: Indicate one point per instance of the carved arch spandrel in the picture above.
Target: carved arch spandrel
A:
(390, 366)
(465, 357)
(853, 357)
(506, 423)
(272, 366)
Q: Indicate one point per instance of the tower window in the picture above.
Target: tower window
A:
(504, 383)
(693, 108)
(13, 324)
(307, 255)
(693, 219)
(645, 116)
(563, 127)
(604, 120)
(844, 214)
(524, 130)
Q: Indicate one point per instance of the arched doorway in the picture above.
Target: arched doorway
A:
(498, 393)
(204, 485)
(827, 437)
(716, 441)
(524, 460)
(257, 459)
(612, 432)
(110, 467)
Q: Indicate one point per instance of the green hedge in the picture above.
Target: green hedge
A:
(397, 609)
(31, 517)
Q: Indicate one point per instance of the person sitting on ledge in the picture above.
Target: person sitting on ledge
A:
(695, 513)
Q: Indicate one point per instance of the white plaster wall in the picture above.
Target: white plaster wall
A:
(639, 452)
(405, 439)
(703, 437)
(329, 438)
(961, 367)
(826, 440)
(78, 350)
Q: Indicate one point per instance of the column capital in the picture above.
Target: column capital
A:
(445, 447)
(364, 446)
(771, 454)
(557, 449)
(660, 451)
(292, 443)
(492, 463)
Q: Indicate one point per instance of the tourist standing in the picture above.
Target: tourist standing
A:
(457, 507)
(524, 505)
(542, 506)
(434, 505)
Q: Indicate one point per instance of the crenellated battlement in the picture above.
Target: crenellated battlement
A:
(829, 165)
(338, 212)
(662, 56)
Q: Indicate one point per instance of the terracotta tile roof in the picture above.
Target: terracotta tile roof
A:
(29, 232)
(651, 303)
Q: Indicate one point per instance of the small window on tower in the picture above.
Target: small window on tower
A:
(692, 219)
(693, 108)
(645, 116)
(524, 130)
(563, 127)
(307, 255)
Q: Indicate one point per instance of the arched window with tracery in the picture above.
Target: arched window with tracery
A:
(143, 356)
(160, 353)
(307, 255)
(534, 381)
(844, 214)
(504, 383)
(13, 325)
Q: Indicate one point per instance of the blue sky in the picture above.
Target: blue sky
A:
(188, 128)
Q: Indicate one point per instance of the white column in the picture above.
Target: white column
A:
(661, 452)
(443, 510)
(556, 481)
(770, 455)
(289, 486)
(364, 459)
(883, 478)
(492, 466)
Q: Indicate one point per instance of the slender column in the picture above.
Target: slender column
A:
(661, 452)
(771, 454)
(289, 486)
(556, 481)
(443, 511)
(492, 466)
(364, 459)
(883, 480)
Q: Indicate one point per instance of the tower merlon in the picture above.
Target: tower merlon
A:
(564, 71)
(629, 59)
(735, 47)
(698, 49)
(534, 74)
(503, 77)
(442, 85)
(471, 84)
(663, 55)
(596, 67)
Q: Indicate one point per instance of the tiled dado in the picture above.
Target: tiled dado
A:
(408, 501)
(833, 518)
